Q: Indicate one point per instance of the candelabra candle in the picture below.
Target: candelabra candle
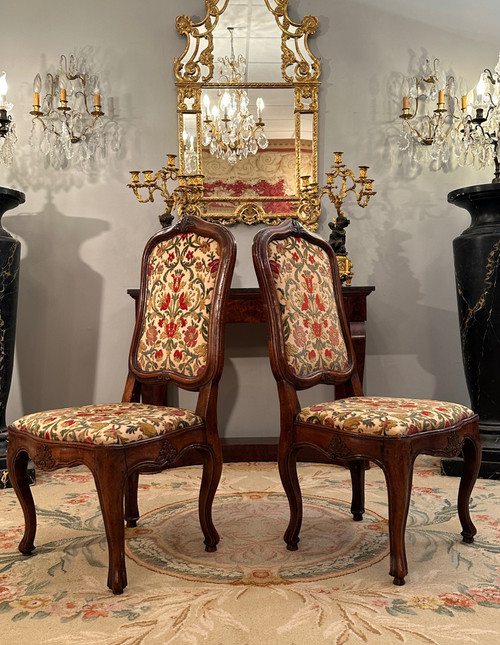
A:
(184, 198)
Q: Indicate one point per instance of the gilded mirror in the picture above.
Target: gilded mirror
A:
(247, 88)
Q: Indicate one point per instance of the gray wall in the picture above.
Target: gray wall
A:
(82, 238)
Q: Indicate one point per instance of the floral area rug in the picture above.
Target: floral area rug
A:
(335, 589)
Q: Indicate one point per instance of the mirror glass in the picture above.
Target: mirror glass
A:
(251, 171)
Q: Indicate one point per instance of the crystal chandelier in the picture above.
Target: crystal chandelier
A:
(430, 114)
(68, 124)
(229, 130)
(7, 127)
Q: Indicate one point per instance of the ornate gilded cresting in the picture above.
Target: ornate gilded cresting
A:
(195, 74)
(339, 182)
(184, 198)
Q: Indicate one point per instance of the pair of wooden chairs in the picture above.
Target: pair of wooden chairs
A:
(178, 339)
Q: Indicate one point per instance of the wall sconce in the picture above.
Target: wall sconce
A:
(184, 198)
(68, 123)
(481, 123)
(311, 195)
(439, 125)
(430, 115)
(7, 127)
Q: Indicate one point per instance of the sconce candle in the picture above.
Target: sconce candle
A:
(3, 91)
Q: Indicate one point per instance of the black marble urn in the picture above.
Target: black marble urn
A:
(477, 269)
(10, 250)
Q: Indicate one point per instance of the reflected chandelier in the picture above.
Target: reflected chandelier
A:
(8, 135)
(68, 124)
(229, 130)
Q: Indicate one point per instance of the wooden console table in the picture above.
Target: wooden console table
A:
(247, 306)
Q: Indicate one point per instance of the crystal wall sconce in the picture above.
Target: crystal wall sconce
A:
(68, 122)
(8, 136)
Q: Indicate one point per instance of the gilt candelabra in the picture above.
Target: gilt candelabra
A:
(339, 182)
(184, 198)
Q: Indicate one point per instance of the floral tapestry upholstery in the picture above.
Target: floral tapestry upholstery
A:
(310, 318)
(115, 423)
(385, 416)
(181, 277)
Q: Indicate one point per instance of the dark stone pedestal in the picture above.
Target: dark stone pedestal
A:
(477, 268)
(10, 251)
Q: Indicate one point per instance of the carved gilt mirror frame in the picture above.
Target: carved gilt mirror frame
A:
(254, 195)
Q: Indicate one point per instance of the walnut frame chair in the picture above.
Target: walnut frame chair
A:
(309, 343)
(178, 339)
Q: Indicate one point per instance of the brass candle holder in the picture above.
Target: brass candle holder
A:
(339, 182)
(184, 198)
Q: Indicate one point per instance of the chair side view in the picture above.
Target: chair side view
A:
(309, 343)
(178, 339)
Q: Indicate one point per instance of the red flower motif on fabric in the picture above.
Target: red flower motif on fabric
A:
(311, 355)
(159, 353)
(170, 329)
(178, 355)
(305, 304)
(321, 306)
(165, 302)
(191, 336)
(151, 335)
(328, 353)
(177, 282)
(317, 329)
(182, 302)
(275, 266)
(214, 265)
(309, 282)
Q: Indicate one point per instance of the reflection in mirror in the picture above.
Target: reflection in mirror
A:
(268, 176)
(248, 110)
(189, 139)
(256, 38)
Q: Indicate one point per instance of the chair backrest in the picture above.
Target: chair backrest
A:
(185, 280)
(309, 340)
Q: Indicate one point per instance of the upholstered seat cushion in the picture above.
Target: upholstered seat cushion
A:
(385, 416)
(115, 423)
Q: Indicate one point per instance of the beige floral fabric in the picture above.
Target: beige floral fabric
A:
(311, 323)
(385, 416)
(181, 278)
(116, 423)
